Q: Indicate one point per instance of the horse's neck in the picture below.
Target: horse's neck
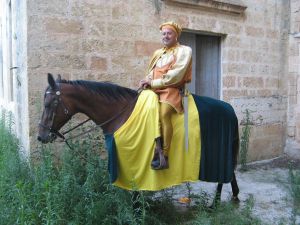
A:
(120, 116)
(115, 115)
(109, 113)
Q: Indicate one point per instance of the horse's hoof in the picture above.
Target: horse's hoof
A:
(235, 199)
(212, 207)
(215, 204)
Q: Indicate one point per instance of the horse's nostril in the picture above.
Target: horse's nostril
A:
(39, 138)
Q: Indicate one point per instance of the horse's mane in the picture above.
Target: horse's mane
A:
(107, 89)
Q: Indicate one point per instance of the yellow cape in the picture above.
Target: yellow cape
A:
(135, 147)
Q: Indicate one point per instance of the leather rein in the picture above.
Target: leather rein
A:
(58, 101)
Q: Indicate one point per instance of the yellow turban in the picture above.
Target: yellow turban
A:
(171, 25)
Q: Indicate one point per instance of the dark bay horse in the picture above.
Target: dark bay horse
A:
(106, 104)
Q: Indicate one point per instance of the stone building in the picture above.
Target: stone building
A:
(246, 52)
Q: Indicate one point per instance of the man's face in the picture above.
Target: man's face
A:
(169, 37)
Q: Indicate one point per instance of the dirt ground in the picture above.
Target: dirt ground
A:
(267, 182)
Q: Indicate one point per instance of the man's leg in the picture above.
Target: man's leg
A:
(165, 111)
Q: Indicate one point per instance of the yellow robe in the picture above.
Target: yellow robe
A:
(135, 148)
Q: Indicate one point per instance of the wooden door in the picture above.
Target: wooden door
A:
(206, 63)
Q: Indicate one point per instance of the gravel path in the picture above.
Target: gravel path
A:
(267, 182)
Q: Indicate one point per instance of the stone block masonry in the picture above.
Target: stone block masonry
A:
(113, 41)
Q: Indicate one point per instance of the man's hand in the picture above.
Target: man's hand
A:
(145, 84)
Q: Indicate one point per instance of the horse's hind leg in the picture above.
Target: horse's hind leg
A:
(217, 198)
(235, 189)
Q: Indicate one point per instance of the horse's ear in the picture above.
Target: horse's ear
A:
(51, 81)
(58, 79)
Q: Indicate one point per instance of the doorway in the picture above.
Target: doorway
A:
(206, 63)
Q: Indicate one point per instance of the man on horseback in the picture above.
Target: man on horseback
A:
(168, 72)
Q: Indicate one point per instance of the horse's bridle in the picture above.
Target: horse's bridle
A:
(56, 101)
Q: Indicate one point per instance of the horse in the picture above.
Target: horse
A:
(106, 104)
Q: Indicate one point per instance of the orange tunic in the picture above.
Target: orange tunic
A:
(170, 91)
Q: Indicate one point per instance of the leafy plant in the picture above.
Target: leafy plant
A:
(244, 143)
(294, 176)
(73, 188)
(226, 214)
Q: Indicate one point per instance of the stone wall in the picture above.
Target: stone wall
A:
(113, 40)
(254, 71)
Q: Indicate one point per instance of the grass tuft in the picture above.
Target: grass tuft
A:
(244, 144)
(73, 188)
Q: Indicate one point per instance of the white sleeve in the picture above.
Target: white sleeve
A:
(177, 72)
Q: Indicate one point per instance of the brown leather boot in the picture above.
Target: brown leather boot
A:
(160, 162)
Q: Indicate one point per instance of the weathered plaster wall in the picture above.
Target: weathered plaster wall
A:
(21, 75)
(293, 111)
(15, 66)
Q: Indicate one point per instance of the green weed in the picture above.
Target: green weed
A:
(294, 176)
(226, 213)
(72, 187)
(244, 144)
(73, 190)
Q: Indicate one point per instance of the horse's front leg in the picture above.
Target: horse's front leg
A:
(137, 206)
(217, 198)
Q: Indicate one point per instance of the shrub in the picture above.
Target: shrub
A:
(73, 188)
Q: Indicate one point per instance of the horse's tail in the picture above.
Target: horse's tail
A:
(236, 145)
